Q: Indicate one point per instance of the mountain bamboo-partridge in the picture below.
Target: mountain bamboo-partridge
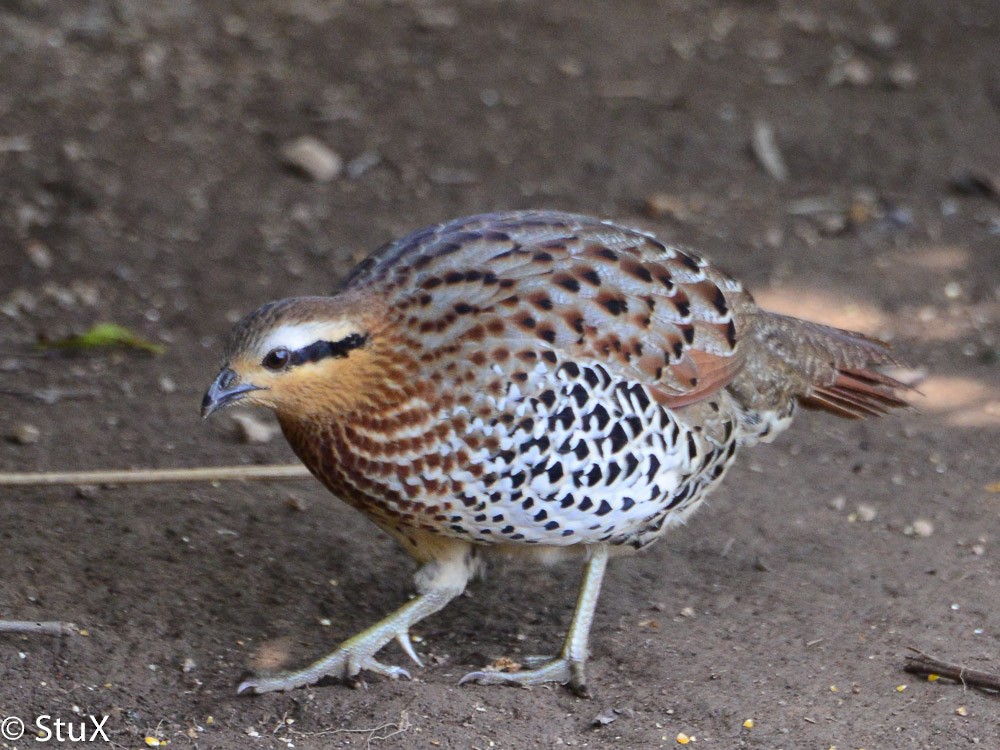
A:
(530, 383)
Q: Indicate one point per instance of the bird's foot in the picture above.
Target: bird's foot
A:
(345, 664)
(542, 669)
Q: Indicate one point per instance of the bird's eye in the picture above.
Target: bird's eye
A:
(277, 359)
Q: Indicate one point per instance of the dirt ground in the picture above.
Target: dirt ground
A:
(142, 182)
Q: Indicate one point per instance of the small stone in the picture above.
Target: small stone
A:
(853, 72)
(39, 255)
(363, 162)
(922, 527)
(251, 429)
(167, 385)
(87, 492)
(189, 665)
(431, 18)
(296, 504)
(903, 75)
(866, 513)
(838, 503)
(25, 434)
(952, 290)
(313, 158)
(884, 37)
(659, 205)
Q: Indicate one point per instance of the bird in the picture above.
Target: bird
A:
(530, 384)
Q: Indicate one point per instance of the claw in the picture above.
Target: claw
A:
(403, 639)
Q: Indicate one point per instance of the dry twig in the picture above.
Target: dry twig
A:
(924, 664)
(33, 626)
(155, 476)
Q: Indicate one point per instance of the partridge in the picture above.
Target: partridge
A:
(533, 384)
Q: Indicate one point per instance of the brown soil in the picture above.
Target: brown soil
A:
(141, 182)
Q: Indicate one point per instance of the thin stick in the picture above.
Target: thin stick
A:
(33, 626)
(921, 663)
(155, 476)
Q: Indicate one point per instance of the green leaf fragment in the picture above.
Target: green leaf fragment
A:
(103, 336)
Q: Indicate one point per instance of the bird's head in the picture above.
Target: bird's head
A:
(298, 356)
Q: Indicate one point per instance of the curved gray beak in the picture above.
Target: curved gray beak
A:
(224, 391)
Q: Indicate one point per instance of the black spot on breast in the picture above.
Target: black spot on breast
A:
(541, 442)
(594, 475)
(719, 300)
(585, 504)
(591, 377)
(581, 450)
(567, 282)
(683, 307)
(571, 369)
(688, 333)
(604, 508)
(528, 504)
(634, 424)
(516, 480)
(602, 416)
(567, 502)
(680, 496)
(565, 418)
(688, 261)
(548, 398)
(692, 446)
(731, 333)
(654, 467)
(614, 305)
(627, 503)
(555, 472)
(590, 276)
(613, 471)
(541, 515)
(631, 464)
(579, 393)
(618, 438)
(551, 526)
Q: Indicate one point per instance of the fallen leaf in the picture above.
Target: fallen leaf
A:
(102, 336)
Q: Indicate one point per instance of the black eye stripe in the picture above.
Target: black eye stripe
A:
(323, 349)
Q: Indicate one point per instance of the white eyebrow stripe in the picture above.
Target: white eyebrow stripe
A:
(295, 336)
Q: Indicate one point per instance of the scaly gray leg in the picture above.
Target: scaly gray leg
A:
(438, 582)
(568, 667)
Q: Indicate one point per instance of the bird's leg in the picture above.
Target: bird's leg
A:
(438, 582)
(568, 667)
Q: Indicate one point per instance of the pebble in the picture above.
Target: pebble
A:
(920, 527)
(25, 434)
(363, 162)
(903, 75)
(251, 429)
(854, 72)
(866, 513)
(313, 158)
(659, 205)
(39, 255)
